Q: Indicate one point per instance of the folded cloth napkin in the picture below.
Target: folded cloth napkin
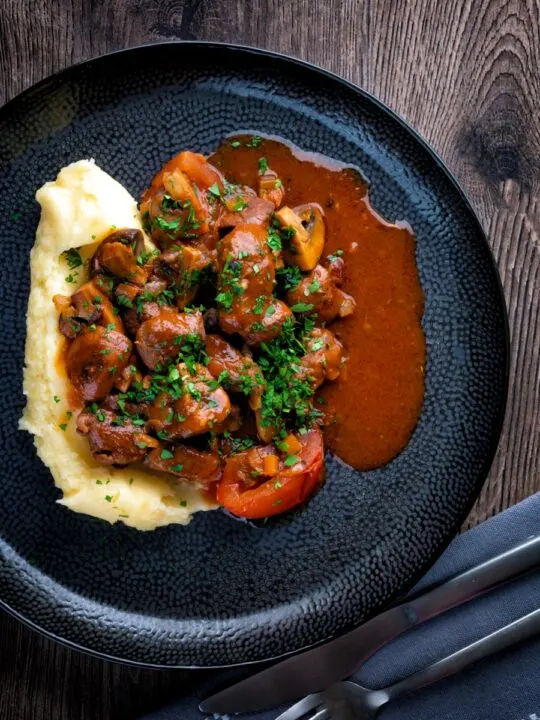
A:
(503, 687)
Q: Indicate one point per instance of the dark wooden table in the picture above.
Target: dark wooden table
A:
(465, 74)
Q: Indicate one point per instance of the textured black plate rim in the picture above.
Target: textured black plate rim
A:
(334, 78)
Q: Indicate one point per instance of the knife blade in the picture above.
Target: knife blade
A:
(317, 669)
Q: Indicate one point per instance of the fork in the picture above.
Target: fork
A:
(350, 701)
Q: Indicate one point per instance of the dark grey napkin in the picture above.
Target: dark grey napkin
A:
(504, 687)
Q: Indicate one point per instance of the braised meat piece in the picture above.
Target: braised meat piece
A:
(119, 254)
(114, 442)
(197, 466)
(94, 360)
(324, 358)
(181, 267)
(202, 405)
(160, 339)
(178, 204)
(318, 290)
(246, 282)
(271, 188)
(239, 372)
(244, 208)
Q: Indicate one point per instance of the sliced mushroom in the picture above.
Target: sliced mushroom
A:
(307, 232)
(118, 255)
(93, 305)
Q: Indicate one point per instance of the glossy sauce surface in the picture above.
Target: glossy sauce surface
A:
(376, 403)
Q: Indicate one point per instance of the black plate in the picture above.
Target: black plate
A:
(222, 592)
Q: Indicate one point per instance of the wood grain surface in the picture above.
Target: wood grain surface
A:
(465, 74)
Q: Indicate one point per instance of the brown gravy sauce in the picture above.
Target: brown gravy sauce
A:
(375, 405)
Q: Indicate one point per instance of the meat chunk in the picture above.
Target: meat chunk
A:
(324, 358)
(242, 373)
(134, 317)
(95, 359)
(318, 290)
(160, 339)
(182, 268)
(246, 282)
(271, 188)
(244, 208)
(126, 294)
(118, 255)
(178, 204)
(202, 405)
(196, 466)
(120, 443)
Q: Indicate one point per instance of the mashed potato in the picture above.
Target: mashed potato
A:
(78, 209)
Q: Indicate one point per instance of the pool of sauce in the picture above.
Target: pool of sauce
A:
(374, 406)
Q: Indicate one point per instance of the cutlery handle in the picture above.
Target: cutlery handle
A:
(471, 583)
(517, 631)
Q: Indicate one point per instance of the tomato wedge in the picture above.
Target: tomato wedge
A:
(288, 488)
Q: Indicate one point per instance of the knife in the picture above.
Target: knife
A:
(316, 670)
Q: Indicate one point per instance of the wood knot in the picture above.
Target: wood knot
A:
(503, 142)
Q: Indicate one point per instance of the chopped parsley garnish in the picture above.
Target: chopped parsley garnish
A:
(287, 402)
(56, 399)
(254, 142)
(73, 258)
(108, 498)
(334, 256)
(288, 277)
(183, 503)
(192, 352)
(63, 426)
(274, 241)
(238, 445)
(263, 166)
(239, 205)
(214, 190)
(230, 286)
(166, 454)
(235, 144)
(259, 304)
(124, 301)
(314, 286)
(301, 307)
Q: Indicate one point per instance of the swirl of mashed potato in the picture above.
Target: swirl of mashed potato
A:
(78, 210)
